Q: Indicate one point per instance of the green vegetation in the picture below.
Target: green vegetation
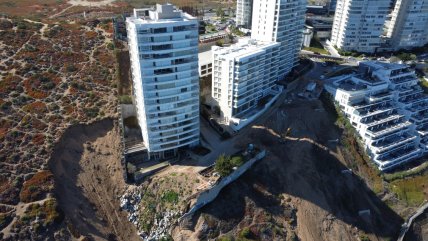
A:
(37, 186)
(389, 177)
(316, 46)
(424, 85)
(225, 238)
(170, 197)
(316, 50)
(225, 164)
(48, 213)
(219, 12)
(411, 190)
(407, 56)
(358, 158)
(364, 237)
(219, 43)
(209, 28)
(125, 99)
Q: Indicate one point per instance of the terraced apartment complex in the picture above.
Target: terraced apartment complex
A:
(389, 110)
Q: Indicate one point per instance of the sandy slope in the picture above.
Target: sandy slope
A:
(88, 177)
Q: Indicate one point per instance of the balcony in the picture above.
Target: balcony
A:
(385, 118)
(391, 142)
(387, 129)
(398, 157)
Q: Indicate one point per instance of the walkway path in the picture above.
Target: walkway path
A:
(408, 224)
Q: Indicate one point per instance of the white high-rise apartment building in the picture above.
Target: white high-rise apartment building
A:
(358, 24)
(243, 74)
(244, 13)
(280, 21)
(408, 27)
(163, 47)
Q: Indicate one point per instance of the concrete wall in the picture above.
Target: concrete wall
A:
(128, 110)
(210, 194)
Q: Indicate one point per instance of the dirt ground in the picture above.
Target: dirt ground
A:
(88, 177)
(301, 174)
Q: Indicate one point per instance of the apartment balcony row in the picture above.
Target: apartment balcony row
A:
(413, 98)
(171, 106)
(388, 144)
(154, 41)
(404, 79)
(380, 119)
(170, 72)
(168, 139)
(156, 120)
(373, 109)
(166, 32)
(148, 66)
(167, 50)
(384, 96)
(175, 126)
(420, 118)
(398, 157)
(182, 93)
(185, 142)
(171, 135)
(420, 106)
(403, 92)
(376, 133)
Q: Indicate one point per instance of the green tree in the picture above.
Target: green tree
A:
(223, 165)
(219, 12)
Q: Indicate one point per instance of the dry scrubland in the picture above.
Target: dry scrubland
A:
(52, 75)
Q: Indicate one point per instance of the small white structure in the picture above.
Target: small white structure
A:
(243, 75)
(308, 34)
(205, 63)
(388, 109)
(163, 47)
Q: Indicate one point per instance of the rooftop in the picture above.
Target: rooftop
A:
(246, 47)
(205, 57)
(161, 13)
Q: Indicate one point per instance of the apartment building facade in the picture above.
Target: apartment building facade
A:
(163, 45)
(243, 74)
(280, 21)
(388, 109)
(359, 24)
(408, 27)
(244, 13)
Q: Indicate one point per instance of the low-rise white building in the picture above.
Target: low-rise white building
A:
(387, 107)
(243, 74)
(205, 63)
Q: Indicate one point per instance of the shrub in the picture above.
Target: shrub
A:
(125, 99)
(237, 161)
(170, 197)
(34, 188)
(223, 165)
(245, 233)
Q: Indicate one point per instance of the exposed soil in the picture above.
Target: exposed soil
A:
(88, 178)
(301, 176)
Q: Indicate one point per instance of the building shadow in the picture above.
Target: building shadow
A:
(316, 177)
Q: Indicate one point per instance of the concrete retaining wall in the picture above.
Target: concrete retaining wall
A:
(128, 110)
(209, 195)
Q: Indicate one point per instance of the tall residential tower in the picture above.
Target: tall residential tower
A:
(409, 24)
(163, 46)
(358, 24)
(244, 13)
(280, 21)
